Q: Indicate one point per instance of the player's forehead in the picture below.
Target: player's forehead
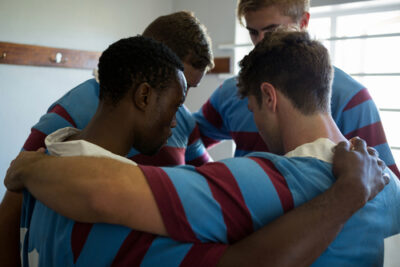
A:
(265, 17)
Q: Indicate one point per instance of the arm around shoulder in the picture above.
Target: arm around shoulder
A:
(10, 211)
(88, 189)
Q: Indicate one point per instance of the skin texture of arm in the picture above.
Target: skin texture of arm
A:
(296, 238)
(10, 211)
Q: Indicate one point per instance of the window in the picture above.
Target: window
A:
(363, 39)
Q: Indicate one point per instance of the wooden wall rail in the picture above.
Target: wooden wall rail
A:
(222, 65)
(34, 55)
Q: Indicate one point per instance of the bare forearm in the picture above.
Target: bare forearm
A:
(95, 190)
(297, 238)
(10, 211)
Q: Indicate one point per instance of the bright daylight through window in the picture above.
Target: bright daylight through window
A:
(364, 40)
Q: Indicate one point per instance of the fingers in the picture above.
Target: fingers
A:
(41, 150)
(362, 164)
(386, 178)
(358, 144)
(381, 164)
(373, 152)
(342, 146)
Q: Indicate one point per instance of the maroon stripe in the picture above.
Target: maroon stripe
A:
(208, 142)
(249, 141)
(204, 255)
(63, 113)
(395, 170)
(79, 235)
(169, 204)
(278, 181)
(133, 250)
(167, 156)
(212, 115)
(373, 134)
(203, 159)
(35, 140)
(359, 98)
(226, 191)
(194, 136)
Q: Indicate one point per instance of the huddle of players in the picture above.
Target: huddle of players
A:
(224, 116)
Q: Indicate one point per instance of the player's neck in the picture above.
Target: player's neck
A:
(300, 129)
(108, 130)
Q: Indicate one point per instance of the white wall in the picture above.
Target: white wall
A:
(332, 2)
(26, 92)
(219, 18)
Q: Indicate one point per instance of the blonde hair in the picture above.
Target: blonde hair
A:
(291, 8)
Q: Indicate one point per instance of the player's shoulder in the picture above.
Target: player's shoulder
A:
(80, 103)
(185, 122)
(227, 96)
(87, 91)
(344, 83)
(290, 164)
(185, 115)
(228, 87)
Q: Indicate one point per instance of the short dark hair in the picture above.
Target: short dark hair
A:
(183, 33)
(129, 62)
(294, 64)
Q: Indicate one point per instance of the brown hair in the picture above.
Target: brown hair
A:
(183, 33)
(292, 8)
(294, 64)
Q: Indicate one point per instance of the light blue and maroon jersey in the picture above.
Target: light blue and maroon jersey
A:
(227, 200)
(226, 116)
(49, 239)
(77, 107)
(81, 244)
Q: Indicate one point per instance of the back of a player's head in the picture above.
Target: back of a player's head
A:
(296, 65)
(183, 33)
(129, 62)
(291, 8)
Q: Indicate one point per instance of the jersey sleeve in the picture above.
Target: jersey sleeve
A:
(218, 202)
(210, 117)
(142, 249)
(356, 114)
(74, 109)
(393, 203)
(56, 118)
(195, 153)
(363, 120)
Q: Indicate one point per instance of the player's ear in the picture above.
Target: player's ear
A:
(269, 96)
(141, 97)
(304, 21)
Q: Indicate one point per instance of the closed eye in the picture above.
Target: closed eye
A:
(253, 32)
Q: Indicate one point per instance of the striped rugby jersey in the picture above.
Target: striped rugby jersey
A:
(226, 116)
(227, 200)
(49, 239)
(77, 107)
